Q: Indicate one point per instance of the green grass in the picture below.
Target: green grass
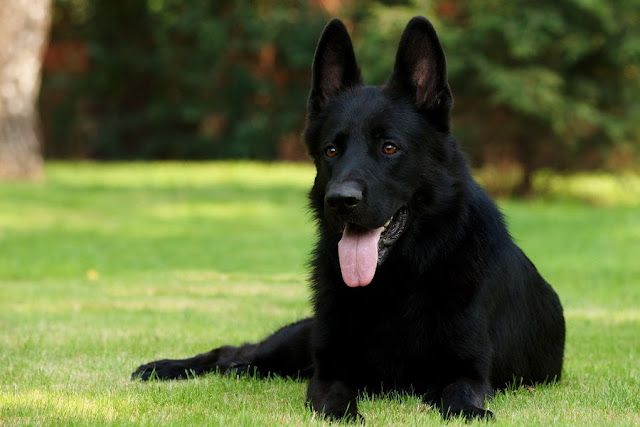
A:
(103, 267)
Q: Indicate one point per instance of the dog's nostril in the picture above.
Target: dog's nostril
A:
(343, 203)
(350, 202)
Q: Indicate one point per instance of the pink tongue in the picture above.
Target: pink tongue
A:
(358, 252)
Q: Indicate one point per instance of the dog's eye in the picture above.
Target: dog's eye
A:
(389, 148)
(331, 151)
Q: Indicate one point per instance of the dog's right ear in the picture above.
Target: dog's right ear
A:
(334, 66)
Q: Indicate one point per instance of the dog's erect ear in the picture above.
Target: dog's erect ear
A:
(334, 65)
(420, 70)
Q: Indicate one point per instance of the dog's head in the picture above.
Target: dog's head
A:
(377, 149)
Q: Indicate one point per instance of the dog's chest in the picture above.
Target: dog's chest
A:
(394, 343)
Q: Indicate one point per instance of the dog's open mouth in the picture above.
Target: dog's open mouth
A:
(361, 250)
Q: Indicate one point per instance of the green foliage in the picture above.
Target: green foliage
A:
(182, 79)
(553, 84)
(104, 267)
(570, 67)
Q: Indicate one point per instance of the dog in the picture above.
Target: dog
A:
(417, 286)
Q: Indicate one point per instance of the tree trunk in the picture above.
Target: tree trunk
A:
(525, 188)
(526, 153)
(24, 28)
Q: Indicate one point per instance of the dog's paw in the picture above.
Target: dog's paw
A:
(470, 413)
(343, 417)
(341, 414)
(162, 370)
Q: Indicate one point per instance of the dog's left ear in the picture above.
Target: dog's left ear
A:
(420, 70)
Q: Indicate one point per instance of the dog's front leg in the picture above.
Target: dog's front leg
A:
(465, 397)
(285, 353)
(225, 359)
(332, 398)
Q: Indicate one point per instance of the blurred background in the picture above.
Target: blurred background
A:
(551, 84)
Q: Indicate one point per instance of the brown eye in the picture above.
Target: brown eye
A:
(390, 148)
(331, 151)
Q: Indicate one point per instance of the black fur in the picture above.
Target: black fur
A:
(455, 310)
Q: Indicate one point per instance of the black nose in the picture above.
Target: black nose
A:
(343, 197)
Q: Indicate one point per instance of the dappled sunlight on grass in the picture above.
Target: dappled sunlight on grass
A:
(596, 188)
(168, 175)
(43, 406)
(213, 211)
(603, 315)
(214, 284)
(201, 291)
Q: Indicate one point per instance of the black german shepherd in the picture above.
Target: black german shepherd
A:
(417, 285)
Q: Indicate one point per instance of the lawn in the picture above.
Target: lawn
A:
(104, 267)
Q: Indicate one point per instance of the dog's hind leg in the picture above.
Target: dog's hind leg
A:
(285, 352)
